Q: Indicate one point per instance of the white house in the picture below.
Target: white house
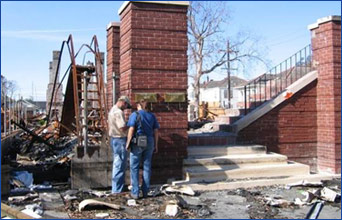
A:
(216, 92)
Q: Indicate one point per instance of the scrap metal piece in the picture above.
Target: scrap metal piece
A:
(182, 189)
(93, 202)
(329, 195)
(309, 196)
(315, 210)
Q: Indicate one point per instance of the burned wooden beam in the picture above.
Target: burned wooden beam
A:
(35, 137)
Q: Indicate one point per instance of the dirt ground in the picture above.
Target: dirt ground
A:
(227, 204)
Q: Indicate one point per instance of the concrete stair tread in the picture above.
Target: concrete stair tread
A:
(192, 134)
(236, 168)
(256, 146)
(225, 150)
(257, 182)
(237, 156)
(235, 159)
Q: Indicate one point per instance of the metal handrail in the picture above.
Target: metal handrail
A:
(270, 84)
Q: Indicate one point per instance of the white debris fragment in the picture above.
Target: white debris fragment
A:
(99, 193)
(131, 202)
(304, 183)
(31, 213)
(69, 198)
(299, 202)
(34, 210)
(101, 215)
(171, 209)
(182, 189)
(92, 202)
(277, 201)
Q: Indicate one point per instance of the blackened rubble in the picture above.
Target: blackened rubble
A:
(61, 202)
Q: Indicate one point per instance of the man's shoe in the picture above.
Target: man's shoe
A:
(136, 197)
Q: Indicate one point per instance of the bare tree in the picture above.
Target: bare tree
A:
(207, 22)
(11, 88)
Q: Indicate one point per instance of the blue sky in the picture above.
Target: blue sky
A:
(30, 31)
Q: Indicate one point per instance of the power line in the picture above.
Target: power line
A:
(289, 40)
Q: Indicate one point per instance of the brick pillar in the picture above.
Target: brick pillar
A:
(326, 46)
(153, 58)
(113, 61)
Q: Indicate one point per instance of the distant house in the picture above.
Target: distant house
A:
(215, 93)
(33, 108)
(41, 106)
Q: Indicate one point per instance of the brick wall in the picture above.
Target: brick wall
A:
(326, 46)
(113, 61)
(153, 59)
(289, 129)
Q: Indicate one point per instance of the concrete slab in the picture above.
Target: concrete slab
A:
(51, 214)
(257, 182)
(235, 207)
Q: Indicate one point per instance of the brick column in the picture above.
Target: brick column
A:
(153, 58)
(113, 61)
(326, 46)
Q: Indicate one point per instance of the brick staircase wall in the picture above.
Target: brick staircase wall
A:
(307, 126)
(289, 129)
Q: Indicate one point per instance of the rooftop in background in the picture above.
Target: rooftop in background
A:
(234, 82)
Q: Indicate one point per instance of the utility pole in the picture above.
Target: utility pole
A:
(115, 78)
(5, 108)
(228, 73)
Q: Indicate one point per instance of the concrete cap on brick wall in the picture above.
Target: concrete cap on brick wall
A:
(113, 24)
(124, 5)
(324, 20)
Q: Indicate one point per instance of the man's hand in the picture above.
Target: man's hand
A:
(129, 138)
(128, 147)
(155, 150)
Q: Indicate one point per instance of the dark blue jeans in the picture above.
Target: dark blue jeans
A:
(119, 163)
(138, 154)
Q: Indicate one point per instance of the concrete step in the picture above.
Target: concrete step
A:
(212, 151)
(226, 172)
(211, 138)
(250, 183)
(238, 160)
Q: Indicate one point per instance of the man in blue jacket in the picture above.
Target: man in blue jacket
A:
(142, 122)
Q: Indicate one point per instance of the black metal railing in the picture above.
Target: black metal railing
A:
(277, 79)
